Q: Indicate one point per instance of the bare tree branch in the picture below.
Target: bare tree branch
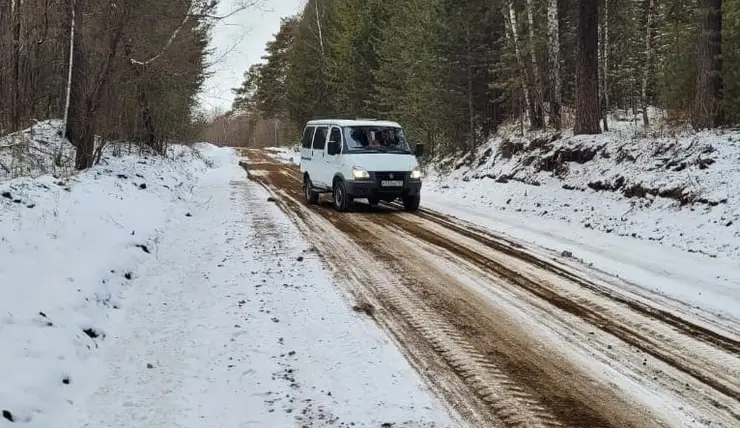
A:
(166, 45)
(245, 4)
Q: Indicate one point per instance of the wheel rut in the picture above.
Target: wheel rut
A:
(513, 249)
(655, 343)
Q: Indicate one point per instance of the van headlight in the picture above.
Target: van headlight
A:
(416, 173)
(359, 173)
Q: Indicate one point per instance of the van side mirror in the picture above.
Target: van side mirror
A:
(419, 152)
(333, 148)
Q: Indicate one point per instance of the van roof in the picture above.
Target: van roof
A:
(357, 122)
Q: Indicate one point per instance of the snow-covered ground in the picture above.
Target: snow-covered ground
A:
(680, 191)
(70, 247)
(171, 293)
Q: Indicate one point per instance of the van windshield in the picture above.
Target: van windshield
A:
(376, 139)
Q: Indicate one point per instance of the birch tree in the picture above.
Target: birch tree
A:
(78, 126)
(646, 63)
(513, 36)
(538, 120)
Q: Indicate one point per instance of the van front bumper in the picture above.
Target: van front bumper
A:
(373, 189)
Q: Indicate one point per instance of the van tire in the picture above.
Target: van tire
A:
(312, 196)
(341, 199)
(411, 202)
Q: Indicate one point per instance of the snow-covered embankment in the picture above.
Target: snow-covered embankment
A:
(70, 245)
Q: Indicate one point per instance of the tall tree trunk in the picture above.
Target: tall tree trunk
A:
(147, 131)
(70, 60)
(553, 33)
(605, 74)
(318, 25)
(708, 98)
(587, 75)
(510, 18)
(538, 119)
(471, 108)
(5, 49)
(15, 99)
(147, 122)
(646, 64)
(80, 130)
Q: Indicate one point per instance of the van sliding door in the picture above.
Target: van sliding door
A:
(332, 162)
(318, 152)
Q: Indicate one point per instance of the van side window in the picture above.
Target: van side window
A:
(307, 137)
(319, 138)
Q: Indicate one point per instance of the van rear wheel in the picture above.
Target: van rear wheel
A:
(312, 196)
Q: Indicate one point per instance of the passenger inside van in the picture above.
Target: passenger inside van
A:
(381, 138)
(375, 137)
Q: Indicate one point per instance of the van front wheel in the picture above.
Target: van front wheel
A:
(411, 202)
(341, 199)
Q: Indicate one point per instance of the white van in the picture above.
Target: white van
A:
(360, 159)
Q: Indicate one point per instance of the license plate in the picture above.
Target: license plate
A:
(392, 183)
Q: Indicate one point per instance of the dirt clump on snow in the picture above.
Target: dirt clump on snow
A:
(366, 308)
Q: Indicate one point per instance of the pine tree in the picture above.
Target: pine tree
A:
(587, 84)
(708, 99)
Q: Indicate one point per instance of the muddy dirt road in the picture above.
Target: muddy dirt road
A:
(507, 335)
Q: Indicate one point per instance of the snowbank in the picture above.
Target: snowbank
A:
(36, 151)
(69, 247)
(679, 190)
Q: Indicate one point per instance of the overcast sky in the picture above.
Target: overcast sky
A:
(239, 42)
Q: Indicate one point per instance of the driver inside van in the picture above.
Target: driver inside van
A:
(381, 138)
(375, 142)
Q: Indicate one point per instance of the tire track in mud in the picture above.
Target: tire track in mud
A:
(508, 402)
(487, 382)
(362, 282)
(703, 367)
(513, 249)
